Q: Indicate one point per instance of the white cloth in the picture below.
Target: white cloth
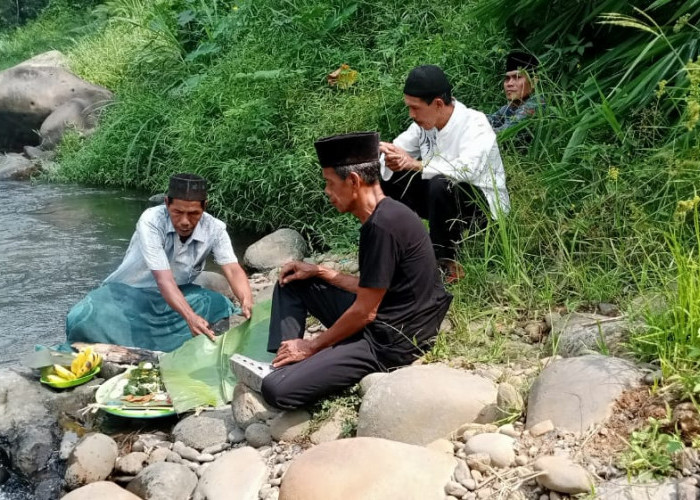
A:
(465, 150)
(156, 246)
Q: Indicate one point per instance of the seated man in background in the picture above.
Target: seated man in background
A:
(446, 166)
(150, 301)
(385, 318)
(518, 84)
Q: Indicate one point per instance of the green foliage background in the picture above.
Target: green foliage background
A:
(237, 91)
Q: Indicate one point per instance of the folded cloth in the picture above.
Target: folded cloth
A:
(120, 314)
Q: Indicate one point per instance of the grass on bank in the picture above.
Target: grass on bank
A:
(237, 91)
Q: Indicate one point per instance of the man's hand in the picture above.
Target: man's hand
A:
(200, 326)
(293, 351)
(297, 270)
(246, 307)
(397, 159)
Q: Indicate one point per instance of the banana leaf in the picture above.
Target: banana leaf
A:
(198, 373)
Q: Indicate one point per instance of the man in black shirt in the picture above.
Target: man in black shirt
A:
(384, 318)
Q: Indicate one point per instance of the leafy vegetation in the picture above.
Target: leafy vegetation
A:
(238, 91)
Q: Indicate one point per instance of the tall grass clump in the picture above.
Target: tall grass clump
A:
(238, 93)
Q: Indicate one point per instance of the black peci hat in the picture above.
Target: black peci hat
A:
(188, 187)
(426, 81)
(518, 60)
(348, 149)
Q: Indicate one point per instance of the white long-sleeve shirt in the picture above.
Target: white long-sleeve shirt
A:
(465, 150)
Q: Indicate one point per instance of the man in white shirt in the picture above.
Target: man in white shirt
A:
(150, 301)
(446, 166)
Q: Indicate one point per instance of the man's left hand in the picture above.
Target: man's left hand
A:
(293, 351)
(398, 160)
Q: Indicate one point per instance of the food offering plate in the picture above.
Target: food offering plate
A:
(69, 383)
(109, 397)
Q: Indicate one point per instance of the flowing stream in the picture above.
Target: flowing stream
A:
(58, 242)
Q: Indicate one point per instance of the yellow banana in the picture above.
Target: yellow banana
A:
(63, 372)
(55, 379)
(77, 362)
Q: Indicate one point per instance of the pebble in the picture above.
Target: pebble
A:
(159, 455)
(461, 473)
(237, 435)
(509, 430)
(258, 435)
(455, 489)
(205, 457)
(484, 493)
(562, 475)
(541, 428)
(68, 442)
(533, 451)
(185, 451)
(478, 477)
(173, 457)
(478, 462)
(265, 452)
(216, 448)
(520, 460)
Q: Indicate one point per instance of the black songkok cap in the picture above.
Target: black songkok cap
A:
(426, 81)
(518, 60)
(348, 149)
(188, 187)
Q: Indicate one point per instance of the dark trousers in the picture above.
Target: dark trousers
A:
(328, 371)
(449, 207)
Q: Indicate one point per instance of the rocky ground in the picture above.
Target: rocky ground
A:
(536, 428)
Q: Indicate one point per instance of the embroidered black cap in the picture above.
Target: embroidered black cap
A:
(426, 81)
(348, 149)
(519, 60)
(188, 187)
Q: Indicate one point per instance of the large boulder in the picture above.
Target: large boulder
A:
(419, 404)
(275, 249)
(29, 419)
(575, 393)
(237, 475)
(16, 166)
(30, 94)
(367, 469)
(215, 282)
(91, 460)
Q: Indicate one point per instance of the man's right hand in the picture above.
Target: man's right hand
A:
(200, 326)
(297, 270)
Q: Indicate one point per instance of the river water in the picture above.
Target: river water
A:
(58, 242)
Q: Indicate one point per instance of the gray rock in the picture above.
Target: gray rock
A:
(16, 166)
(156, 199)
(462, 475)
(562, 475)
(148, 441)
(499, 447)
(419, 404)
(205, 430)
(29, 94)
(159, 455)
(541, 428)
(369, 380)
(367, 468)
(249, 406)
(52, 58)
(68, 442)
(330, 429)
(575, 393)
(607, 309)
(238, 474)
(164, 481)
(34, 153)
(290, 425)
(509, 400)
(102, 490)
(75, 114)
(237, 435)
(132, 463)
(275, 249)
(455, 489)
(214, 281)
(582, 333)
(478, 462)
(258, 435)
(186, 452)
(91, 460)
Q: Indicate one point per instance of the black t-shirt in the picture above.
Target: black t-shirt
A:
(396, 253)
